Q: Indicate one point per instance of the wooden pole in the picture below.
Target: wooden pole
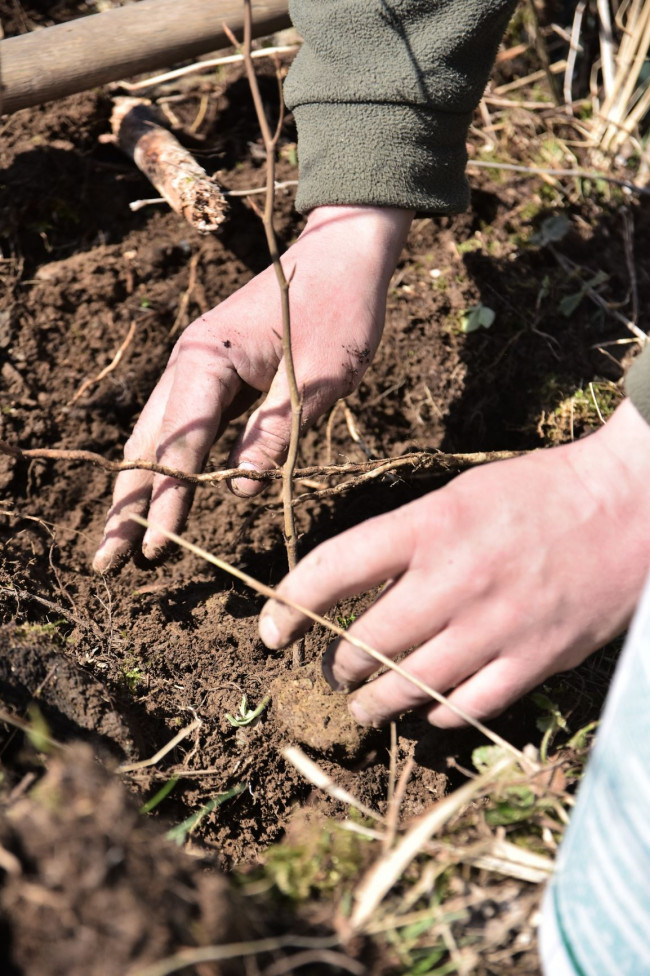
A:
(146, 36)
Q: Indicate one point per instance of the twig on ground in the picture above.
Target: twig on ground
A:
(315, 775)
(143, 763)
(330, 428)
(187, 294)
(265, 52)
(392, 763)
(254, 191)
(136, 205)
(579, 174)
(606, 38)
(57, 608)
(139, 131)
(392, 814)
(555, 69)
(309, 957)
(115, 362)
(572, 268)
(234, 950)
(354, 432)
(9, 718)
(574, 45)
(271, 594)
(628, 101)
(542, 53)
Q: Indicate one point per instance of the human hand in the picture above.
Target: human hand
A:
(340, 268)
(512, 572)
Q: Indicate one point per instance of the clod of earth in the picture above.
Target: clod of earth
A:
(309, 712)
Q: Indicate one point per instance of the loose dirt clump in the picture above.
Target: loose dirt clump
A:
(89, 885)
(307, 711)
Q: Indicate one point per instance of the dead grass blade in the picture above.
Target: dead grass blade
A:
(233, 950)
(315, 775)
(510, 860)
(115, 362)
(628, 99)
(143, 763)
(387, 870)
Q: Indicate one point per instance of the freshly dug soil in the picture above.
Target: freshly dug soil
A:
(87, 885)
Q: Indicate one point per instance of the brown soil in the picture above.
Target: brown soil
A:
(90, 887)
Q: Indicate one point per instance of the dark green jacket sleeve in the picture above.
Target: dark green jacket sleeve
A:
(383, 93)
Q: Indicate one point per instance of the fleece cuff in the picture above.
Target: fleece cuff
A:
(381, 155)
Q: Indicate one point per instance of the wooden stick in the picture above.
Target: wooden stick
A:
(145, 36)
(139, 130)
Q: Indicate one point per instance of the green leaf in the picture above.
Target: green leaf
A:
(181, 831)
(158, 797)
(570, 303)
(38, 733)
(484, 757)
(480, 316)
(553, 229)
(579, 740)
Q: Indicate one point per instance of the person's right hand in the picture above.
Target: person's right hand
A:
(340, 268)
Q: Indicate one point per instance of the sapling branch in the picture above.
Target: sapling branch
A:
(270, 140)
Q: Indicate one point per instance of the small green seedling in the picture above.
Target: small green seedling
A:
(478, 317)
(553, 230)
(247, 715)
(570, 303)
(550, 722)
(345, 622)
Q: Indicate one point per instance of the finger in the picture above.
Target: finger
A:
(350, 563)
(192, 417)
(133, 488)
(264, 442)
(441, 663)
(486, 694)
(121, 533)
(405, 615)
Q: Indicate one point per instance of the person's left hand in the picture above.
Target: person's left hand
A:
(512, 572)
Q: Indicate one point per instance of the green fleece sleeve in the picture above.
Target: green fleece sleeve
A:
(383, 93)
(637, 383)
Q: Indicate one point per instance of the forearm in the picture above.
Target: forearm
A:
(383, 96)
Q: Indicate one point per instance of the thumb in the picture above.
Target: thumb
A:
(264, 442)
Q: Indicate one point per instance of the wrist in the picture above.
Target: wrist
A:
(366, 235)
(625, 439)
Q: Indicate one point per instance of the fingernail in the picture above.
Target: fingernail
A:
(328, 669)
(152, 547)
(269, 632)
(328, 672)
(101, 562)
(245, 487)
(359, 714)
